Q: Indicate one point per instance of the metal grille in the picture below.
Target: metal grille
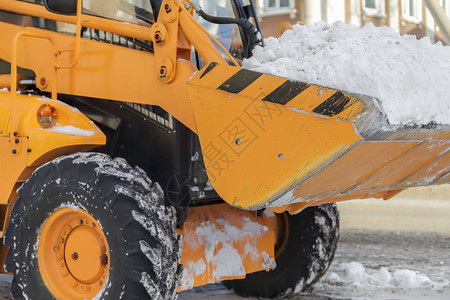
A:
(115, 39)
(150, 111)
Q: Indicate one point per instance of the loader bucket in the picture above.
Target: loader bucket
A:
(271, 142)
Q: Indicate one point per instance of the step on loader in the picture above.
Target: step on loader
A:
(97, 97)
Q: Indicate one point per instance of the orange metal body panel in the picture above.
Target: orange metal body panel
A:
(350, 169)
(375, 169)
(12, 165)
(37, 145)
(114, 72)
(103, 71)
(403, 166)
(258, 149)
(432, 171)
(442, 179)
(311, 148)
(209, 231)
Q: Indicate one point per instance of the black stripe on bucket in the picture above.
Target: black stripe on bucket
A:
(239, 81)
(209, 68)
(333, 105)
(286, 92)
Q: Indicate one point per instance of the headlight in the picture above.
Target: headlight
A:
(47, 115)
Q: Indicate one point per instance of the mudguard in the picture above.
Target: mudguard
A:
(33, 145)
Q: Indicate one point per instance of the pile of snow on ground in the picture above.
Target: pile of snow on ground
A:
(354, 274)
(410, 77)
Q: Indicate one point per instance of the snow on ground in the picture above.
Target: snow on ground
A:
(355, 275)
(389, 265)
(408, 76)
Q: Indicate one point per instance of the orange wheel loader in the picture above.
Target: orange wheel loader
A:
(99, 96)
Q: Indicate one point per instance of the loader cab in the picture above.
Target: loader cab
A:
(145, 12)
(179, 169)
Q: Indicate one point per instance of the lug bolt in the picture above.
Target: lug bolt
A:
(61, 240)
(14, 151)
(55, 248)
(104, 259)
(157, 37)
(17, 141)
(74, 256)
(163, 71)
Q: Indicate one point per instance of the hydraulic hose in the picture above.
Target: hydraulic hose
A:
(254, 38)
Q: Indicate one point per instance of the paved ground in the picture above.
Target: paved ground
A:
(396, 249)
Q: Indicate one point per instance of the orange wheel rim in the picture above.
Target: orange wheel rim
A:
(73, 255)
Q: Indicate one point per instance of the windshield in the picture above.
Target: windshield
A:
(228, 35)
(141, 12)
(131, 11)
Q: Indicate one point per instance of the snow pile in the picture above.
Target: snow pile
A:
(354, 274)
(409, 77)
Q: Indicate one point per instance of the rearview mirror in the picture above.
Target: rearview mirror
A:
(65, 7)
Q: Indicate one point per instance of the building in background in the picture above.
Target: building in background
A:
(404, 16)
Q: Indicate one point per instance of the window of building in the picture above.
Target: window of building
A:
(446, 6)
(412, 10)
(276, 7)
(277, 4)
(374, 7)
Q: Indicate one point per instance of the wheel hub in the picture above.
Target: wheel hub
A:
(73, 254)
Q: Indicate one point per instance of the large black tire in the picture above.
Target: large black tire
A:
(307, 254)
(144, 248)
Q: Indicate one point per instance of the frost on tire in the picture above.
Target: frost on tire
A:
(306, 256)
(144, 248)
